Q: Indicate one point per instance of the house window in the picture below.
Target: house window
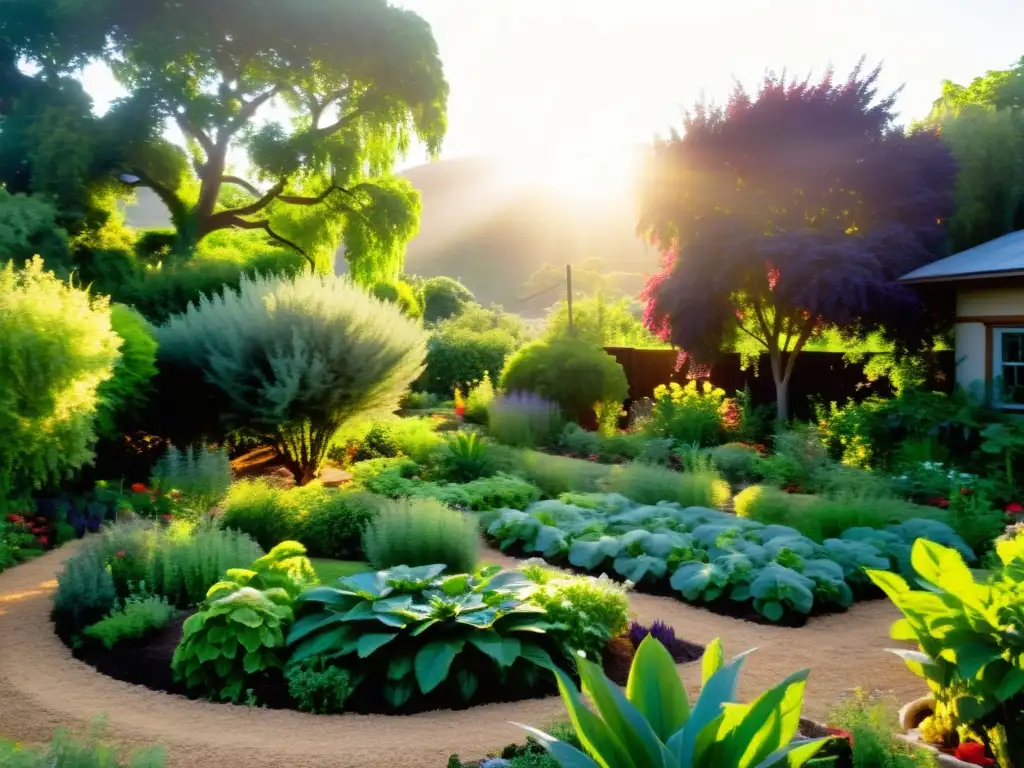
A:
(1008, 367)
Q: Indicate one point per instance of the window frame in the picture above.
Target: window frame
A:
(997, 365)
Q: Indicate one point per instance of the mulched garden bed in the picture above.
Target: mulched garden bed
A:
(148, 663)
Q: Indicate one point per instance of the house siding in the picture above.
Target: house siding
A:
(979, 308)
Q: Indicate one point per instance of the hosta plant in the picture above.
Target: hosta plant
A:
(415, 632)
(969, 633)
(652, 724)
(238, 631)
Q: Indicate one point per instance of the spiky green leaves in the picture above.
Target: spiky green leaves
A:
(653, 726)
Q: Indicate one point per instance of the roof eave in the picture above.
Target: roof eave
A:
(910, 280)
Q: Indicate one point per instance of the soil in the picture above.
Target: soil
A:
(43, 687)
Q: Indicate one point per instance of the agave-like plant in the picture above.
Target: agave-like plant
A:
(652, 725)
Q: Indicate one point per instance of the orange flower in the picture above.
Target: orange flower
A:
(139, 488)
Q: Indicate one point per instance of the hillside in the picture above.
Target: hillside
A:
(493, 238)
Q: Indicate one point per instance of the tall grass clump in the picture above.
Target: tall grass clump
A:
(422, 532)
(524, 420)
(648, 484)
(200, 473)
(293, 359)
(57, 347)
(265, 512)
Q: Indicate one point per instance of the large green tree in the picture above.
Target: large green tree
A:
(983, 122)
(292, 113)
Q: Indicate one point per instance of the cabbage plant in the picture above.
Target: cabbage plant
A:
(653, 725)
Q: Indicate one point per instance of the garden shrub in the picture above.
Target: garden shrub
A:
(444, 297)
(573, 374)
(263, 511)
(478, 400)
(468, 458)
(186, 565)
(798, 459)
(417, 636)
(417, 438)
(420, 401)
(579, 442)
(377, 443)
(524, 420)
(139, 617)
(457, 358)
(85, 592)
(647, 484)
(326, 349)
(57, 347)
(417, 532)
(588, 612)
(199, 473)
(318, 687)
(738, 463)
(688, 414)
(122, 397)
(335, 521)
(402, 295)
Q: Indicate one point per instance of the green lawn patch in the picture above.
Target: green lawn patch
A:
(330, 570)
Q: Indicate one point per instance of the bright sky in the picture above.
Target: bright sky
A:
(530, 75)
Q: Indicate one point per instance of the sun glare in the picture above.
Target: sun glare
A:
(586, 176)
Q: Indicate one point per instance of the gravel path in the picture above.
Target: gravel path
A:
(42, 688)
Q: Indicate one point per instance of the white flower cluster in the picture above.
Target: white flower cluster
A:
(937, 467)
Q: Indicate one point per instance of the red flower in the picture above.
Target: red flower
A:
(44, 540)
(1014, 508)
(839, 733)
(119, 554)
(15, 519)
(939, 502)
(973, 752)
(139, 488)
(167, 517)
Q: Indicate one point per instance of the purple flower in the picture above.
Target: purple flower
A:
(680, 650)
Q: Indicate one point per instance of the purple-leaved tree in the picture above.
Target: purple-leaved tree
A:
(790, 211)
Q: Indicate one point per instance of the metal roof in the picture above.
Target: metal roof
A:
(1003, 256)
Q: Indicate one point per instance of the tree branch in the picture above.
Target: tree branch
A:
(751, 334)
(805, 334)
(191, 129)
(240, 182)
(299, 200)
(264, 224)
(250, 108)
(333, 128)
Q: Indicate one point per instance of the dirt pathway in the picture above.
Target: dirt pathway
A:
(42, 688)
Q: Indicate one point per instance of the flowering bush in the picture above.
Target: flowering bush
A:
(689, 414)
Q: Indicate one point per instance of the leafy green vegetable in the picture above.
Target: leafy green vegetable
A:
(412, 631)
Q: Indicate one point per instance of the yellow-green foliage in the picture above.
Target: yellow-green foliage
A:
(124, 394)
(56, 348)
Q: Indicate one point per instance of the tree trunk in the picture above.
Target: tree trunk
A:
(781, 378)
